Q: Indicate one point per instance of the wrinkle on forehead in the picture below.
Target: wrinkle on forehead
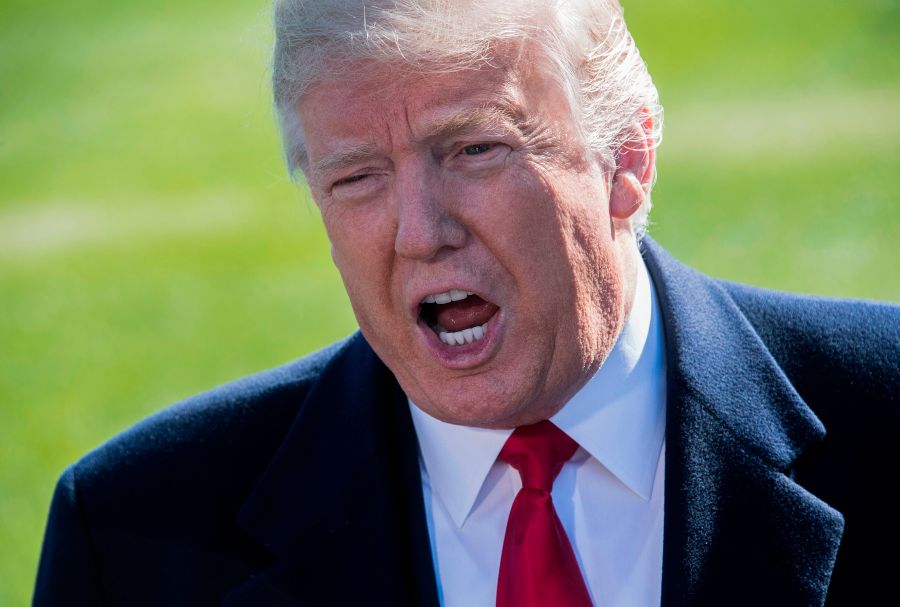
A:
(439, 117)
(369, 83)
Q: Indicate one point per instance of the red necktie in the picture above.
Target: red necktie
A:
(538, 567)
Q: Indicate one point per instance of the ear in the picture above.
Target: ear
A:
(635, 163)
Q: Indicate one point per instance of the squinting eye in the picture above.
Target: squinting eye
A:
(351, 179)
(477, 148)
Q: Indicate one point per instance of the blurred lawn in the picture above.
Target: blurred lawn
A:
(151, 247)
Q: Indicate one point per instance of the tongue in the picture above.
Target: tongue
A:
(465, 314)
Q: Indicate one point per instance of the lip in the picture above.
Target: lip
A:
(465, 356)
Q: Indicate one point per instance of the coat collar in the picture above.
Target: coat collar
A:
(738, 529)
(340, 507)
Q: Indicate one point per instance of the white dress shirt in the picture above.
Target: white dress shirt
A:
(609, 496)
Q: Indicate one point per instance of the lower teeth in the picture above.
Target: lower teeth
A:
(466, 336)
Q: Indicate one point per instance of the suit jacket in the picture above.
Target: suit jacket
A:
(301, 486)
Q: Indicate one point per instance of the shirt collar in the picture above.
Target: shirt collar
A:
(618, 417)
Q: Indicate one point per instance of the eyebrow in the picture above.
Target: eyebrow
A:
(483, 117)
(344, 158)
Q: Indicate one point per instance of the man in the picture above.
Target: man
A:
(483, 171)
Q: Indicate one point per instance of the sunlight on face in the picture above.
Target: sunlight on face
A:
(473, 235)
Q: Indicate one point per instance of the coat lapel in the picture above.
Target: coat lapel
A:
(340, 508)
(738, 529)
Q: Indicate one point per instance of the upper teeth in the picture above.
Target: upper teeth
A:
(447, 296)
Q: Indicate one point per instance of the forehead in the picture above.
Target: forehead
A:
(372, 105)
(382, 114)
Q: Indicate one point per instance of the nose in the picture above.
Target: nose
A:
(426, 224)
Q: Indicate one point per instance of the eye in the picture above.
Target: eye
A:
(477, 148)
(348, 180)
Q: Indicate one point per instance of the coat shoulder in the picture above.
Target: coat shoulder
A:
(212, 446)
(830, 321)
(840, 354)
(151, 514)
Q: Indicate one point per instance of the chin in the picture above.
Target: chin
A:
(480, 404)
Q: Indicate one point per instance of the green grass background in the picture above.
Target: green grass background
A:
(151, 246)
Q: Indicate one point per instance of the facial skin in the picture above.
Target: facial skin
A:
(476, 181)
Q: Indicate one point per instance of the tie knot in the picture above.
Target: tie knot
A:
(538, 452)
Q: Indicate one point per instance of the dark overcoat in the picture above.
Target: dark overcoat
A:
(301, 485)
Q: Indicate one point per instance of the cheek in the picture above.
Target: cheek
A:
(599, 284)
(361, 249)
(585, 219)
(562, 227)
(577, 254)
(515, 215)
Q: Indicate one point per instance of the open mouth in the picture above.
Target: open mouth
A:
(457, 317)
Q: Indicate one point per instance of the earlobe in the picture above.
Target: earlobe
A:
(626, 195)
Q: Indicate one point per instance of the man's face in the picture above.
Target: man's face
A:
(472, 184)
